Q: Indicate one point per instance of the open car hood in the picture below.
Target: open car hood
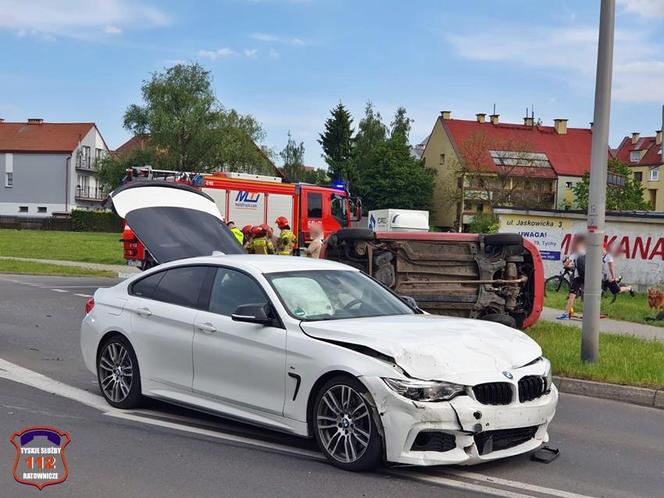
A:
(173, 221)
(432, 347)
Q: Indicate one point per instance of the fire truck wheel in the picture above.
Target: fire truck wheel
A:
(500, 318)
(354, 234)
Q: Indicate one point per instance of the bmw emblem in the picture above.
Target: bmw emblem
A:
(508, 375)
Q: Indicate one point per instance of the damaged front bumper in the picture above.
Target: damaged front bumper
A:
(462, 431)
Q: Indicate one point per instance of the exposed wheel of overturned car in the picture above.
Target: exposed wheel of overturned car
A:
(500, 318)
(345, 425)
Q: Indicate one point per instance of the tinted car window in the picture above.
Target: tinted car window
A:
(146, 286)
(231, 289)
(314, 205)
(181, 286)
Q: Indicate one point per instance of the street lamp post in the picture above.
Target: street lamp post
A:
(597, 193)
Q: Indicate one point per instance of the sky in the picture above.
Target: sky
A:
(287, 62)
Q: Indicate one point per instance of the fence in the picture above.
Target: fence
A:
(638, 238)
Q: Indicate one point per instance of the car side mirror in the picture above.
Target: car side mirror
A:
(410, 302)
(254, 313)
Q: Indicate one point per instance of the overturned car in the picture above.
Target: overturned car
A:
(494, 277)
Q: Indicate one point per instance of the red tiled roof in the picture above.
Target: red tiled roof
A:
(44, 137)
(652, 157)
(135, 142)
(569, 154)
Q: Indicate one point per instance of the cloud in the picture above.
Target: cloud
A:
(220, 53)
(638, 66)
(77, 18)
(281, 40)
(250, 52)
(644, 8)
(112, 30)
(274, 54)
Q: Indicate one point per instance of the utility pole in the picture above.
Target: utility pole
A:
(597, 195)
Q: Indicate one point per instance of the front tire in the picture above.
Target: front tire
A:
(345, 425)
(118, 374)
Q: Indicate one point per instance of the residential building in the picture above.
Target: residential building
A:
(482, 163)
(644, 156)
(49, 168)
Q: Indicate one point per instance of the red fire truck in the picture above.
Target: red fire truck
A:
(255, 199)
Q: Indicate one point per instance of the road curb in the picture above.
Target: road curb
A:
(641, 396)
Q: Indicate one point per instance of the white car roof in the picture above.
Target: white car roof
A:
(262, 263)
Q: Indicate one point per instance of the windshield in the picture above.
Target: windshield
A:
(334, 295)
(339, 210)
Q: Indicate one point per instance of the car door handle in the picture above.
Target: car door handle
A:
(206, 327)
(143, 311)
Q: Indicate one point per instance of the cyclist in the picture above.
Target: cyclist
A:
(576, 261)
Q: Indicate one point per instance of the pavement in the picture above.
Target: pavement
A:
(609, 326)
(608, 449)
(123, 271)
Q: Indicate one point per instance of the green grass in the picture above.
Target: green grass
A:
(627, 308)
(623, 359)
(90, 247)
(31, 268)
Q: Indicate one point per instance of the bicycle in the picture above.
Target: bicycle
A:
(559, 283)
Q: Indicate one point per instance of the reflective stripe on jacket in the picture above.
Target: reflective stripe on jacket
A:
(261, 245)
(286, 243)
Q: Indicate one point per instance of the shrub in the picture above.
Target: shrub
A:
(95, 221)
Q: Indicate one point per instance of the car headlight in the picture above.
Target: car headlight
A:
(425, 390)
(548, 375)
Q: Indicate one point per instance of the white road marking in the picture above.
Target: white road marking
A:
(515, 484)
(15, 373)
(83, 295)
(59, 290)
(458, 484)
(483, 484)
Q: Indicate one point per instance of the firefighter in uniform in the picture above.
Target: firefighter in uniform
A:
(248, 237)
(261, 243)
(236, 231)
(287, 239)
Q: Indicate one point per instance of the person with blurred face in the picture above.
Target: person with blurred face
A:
(576, 262)
(316, 244)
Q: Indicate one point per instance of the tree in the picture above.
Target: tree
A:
(398, 179)
(293, 157)
(337, 144)
(113, 168)
(618, 198)
(371, 134)
(183, 120)
(484, 223)
(500, 172)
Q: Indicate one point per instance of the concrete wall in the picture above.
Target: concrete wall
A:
(638, 238)
(39, 181)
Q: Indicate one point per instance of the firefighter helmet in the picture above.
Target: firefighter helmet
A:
(282, 221)
(246, 230)
(258, 231)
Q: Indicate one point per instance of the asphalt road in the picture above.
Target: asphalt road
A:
(607, 448)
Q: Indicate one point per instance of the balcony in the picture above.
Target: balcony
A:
(90, 194)
(85, 164)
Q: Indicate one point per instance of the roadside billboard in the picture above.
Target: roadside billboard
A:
(638, 238)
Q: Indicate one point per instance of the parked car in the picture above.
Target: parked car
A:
(314, 348)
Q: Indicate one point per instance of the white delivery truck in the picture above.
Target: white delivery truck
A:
(398, 220)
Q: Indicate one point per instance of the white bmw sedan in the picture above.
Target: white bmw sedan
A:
(318, 349)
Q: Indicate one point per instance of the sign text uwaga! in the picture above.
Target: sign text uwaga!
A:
(40, 456)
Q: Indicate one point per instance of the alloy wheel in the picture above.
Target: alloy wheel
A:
(343, 422)
(116, 372)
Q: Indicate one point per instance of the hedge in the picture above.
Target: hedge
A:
(95, 221)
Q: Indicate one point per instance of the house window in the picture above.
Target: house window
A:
(638, 176)
(23, 209)
(467, 205)
(41, 209)
(480, 207)
(568, 185)
(442, 159)
(634, 156)
(654, 174)
(9, 180)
